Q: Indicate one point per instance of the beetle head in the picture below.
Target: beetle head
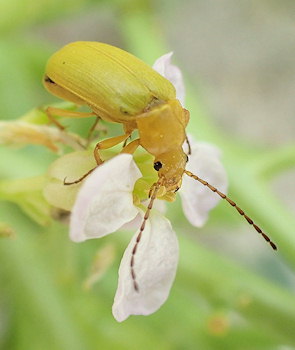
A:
(170, 166)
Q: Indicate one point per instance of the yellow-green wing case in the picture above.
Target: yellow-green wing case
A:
(112, 81)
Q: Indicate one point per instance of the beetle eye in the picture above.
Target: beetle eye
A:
(157, 166)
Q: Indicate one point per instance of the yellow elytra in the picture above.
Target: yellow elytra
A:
(120, 88)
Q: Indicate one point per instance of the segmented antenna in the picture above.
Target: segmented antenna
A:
(233, 204)
(153, 194)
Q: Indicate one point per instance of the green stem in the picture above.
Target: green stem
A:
(275, 162)
(139, 34)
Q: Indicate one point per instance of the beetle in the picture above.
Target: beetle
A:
(120, 88)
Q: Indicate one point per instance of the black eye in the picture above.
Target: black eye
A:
(186, 158)
(157, 166)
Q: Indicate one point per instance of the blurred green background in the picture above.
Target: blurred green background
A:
(231, 290)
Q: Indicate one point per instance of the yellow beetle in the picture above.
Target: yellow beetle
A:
(120, 88)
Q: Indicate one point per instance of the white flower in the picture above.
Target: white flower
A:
(105, 204)
(171, 72)
(155, 265)
(198, 200)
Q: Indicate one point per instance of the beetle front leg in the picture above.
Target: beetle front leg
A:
(131, 147)
(108, 143)
(105, 144)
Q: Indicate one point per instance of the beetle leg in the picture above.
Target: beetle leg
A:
(188, 145)
(66, 183)
(131, 147)
(91, 131)
(128, 129)
(108, 143)
(125, 142)
(52, 111)
(100, 128)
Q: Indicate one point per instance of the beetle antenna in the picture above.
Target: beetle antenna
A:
(155, 188)
(233, 204)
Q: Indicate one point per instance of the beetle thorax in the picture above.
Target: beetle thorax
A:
(162, 134)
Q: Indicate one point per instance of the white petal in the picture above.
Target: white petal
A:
(155, 267)
(171, 72)
(105, 201)
(197, 199)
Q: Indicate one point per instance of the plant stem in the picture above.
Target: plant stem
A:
(275, 162)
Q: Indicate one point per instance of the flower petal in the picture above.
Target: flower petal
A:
(155, 267)
(197, 199)
(171, 72)
(159, 205)
(105, 201)
(71, 166)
